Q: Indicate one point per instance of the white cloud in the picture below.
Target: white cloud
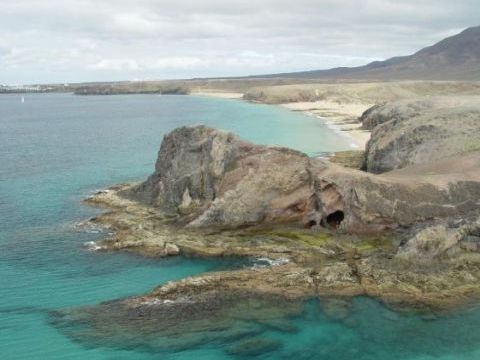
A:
(134, 24)
(114, 65)
(184, 62)
(84, 40)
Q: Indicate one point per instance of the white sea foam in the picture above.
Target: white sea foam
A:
(338, 130)
(92, 246)
(89, 227)
(264, 262)
(166, 301)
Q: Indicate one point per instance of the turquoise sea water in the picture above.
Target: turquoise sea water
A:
(55, 149)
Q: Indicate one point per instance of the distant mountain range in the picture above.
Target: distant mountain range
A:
(454, 58)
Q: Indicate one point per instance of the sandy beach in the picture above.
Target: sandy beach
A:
(220, 94)
(340, 116)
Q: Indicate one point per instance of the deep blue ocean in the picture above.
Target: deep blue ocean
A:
(56, 149)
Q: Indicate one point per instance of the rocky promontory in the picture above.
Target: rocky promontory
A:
(210, 178)
(314, 229)
(214, 194)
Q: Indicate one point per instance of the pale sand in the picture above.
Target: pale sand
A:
(342, 116)
(225, 95)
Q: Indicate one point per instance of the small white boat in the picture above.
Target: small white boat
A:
(23, 99)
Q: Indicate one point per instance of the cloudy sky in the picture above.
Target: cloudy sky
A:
(61, 41)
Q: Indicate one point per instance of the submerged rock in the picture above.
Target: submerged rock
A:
(335, 308)
(254, 347)
(179, 324)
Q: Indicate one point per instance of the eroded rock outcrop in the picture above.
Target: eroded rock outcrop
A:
(442, 242)
(419, 131)
(371, 203)
(213, 194)
(212, 178)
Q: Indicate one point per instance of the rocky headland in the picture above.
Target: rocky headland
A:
(399, 223)
(408, 237)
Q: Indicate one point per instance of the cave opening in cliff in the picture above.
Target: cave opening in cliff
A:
(334, 219)
(311, 224)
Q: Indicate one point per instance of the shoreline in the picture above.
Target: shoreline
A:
(364, 256)
(219, 94)
(323, 264)
(342, 118)
(315, 226)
